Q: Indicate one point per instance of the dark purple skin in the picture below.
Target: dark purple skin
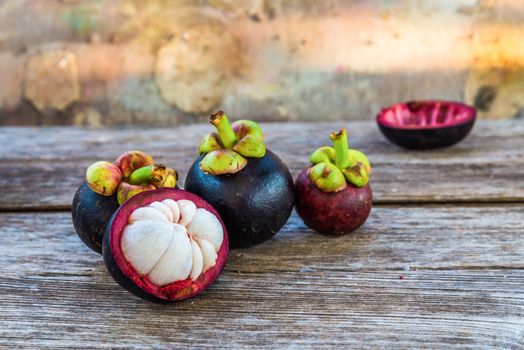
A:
(254, 203)
(91, 212)
(331, 213)
(416, 129)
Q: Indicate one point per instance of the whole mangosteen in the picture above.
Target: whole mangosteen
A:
(108, 185)
(247, 184)
(165, 245)
(333, 196)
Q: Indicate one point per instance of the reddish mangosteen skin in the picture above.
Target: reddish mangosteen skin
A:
(254, 203)
(335, 213)
(91, 212)
(121, 270)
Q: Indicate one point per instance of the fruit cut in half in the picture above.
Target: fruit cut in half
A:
(165, 245)
(426, 124)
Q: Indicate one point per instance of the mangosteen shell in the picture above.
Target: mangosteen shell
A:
(332, 213)
(254, 203)
(90, 213)
(144, 198)
(421, 139)
(430, 136)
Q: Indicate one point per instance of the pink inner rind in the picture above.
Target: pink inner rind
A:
(178, 290)
(425, 114)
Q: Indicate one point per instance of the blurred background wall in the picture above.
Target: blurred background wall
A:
(92, 62)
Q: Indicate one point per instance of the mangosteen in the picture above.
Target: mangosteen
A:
(247, 184)
(91, 213)
(165, 245)
(108, 185)
(333, 196)
(426, 124)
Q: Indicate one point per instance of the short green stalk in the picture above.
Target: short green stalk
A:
(333, 166)
(225, 131)
(340, 143)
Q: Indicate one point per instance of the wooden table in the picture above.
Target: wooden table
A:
(438, 264)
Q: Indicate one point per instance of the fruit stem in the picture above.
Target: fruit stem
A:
(147, 174)
(340, 143)
(225, 131)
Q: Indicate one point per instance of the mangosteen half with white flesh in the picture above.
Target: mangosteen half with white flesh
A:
(165, 245)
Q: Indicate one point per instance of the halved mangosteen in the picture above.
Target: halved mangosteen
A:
(165, 245)
(426, 124)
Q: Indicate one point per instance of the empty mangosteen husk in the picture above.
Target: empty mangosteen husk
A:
(426, 124)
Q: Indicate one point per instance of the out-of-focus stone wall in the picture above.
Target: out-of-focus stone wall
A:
(160, 62)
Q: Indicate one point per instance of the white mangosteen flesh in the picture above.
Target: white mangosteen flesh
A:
(170, 241)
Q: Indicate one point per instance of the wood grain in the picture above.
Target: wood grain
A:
(42, 167)
(413, 277)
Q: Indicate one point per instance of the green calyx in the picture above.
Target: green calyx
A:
(223, 161)
(336, 166)
(327, 177)
(103, 178)
(226, 149)
(134, 172)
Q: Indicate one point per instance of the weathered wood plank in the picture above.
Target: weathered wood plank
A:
(432, 277)
(41, 168)
(428, 309)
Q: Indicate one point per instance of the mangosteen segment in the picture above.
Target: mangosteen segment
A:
(165, 245)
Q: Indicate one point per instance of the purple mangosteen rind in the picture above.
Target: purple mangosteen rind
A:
(123, 272)
(426, 124)
(90, 214)
(332, 213)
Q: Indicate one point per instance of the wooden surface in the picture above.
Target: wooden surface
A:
(439, 264)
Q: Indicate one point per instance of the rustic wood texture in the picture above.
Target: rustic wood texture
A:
(41, 168)
(434, 277)
(438, 265)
